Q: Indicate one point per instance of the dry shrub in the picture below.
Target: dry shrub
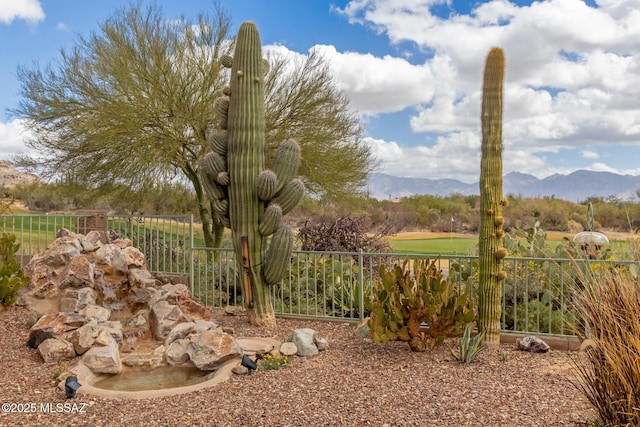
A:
(344, 234)
(609, 375)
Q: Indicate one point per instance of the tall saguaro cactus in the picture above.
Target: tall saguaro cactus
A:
(491, 249)
(247, 197)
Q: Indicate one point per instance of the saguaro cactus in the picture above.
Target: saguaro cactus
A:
(492, 252)
(247, 197)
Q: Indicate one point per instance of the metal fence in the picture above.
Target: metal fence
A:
(537, 294)
(166, 241)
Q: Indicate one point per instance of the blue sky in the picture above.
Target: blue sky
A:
(413, 68)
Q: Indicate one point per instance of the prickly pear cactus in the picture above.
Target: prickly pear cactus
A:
(491, 249)
(404, 298)
(12, 277)
(247, 197)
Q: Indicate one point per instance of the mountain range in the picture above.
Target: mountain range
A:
(575, 187)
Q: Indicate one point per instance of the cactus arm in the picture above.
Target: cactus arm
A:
(491, 249)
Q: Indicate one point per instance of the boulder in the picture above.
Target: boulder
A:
(288, 349)
(104, 338)
(104, 359)
(61, 251)
(96, 312)
(141, 278)
(56, 349)
(177, 353)
(139, 320)
(76, 300)
(142, 297)
(305, 341)
(190, 307)
(97, 238)
(233, 310)
(105, 253)
(180, 331)
(121, 243)
(142, 361)
(78, 274)
(85, 336)
(209, 349)
(532, 344)
(114, 328)
(240, 370)
(163, 317)
(127, 258)
(206, 325)
(38, 271)
(93, 240)
(251, 346)
(54, 325)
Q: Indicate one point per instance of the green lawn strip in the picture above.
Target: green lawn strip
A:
(437, 246)
(460, 245)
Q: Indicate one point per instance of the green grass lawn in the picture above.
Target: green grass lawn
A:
(437, 246)
(460, 245)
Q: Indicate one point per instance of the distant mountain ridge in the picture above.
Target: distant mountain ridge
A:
(10, 176)
(575, 187)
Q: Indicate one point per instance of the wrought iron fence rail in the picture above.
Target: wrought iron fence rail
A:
(537, 296)
(166, 241)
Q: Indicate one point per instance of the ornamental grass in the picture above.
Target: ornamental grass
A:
(609, 374)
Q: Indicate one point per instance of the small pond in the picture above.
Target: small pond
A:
(153, 379)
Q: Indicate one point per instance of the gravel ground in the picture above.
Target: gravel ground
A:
(353, 383)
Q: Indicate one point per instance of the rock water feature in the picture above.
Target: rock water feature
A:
(93, 297)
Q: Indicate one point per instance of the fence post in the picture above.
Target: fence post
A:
(361, 284)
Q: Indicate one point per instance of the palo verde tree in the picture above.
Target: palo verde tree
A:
(490, 247)
(134, 102)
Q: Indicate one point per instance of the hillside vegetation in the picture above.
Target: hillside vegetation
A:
(456, 213)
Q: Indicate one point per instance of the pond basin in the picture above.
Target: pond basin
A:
(159, 378)
(145, 383)
(162, 381)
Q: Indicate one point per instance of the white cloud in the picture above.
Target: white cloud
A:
(28, 10)
(588, 154)
(380, 85)
(61, 26)
(602, 167)
(572, 79)
(12, 135)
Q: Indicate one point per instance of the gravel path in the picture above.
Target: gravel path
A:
(354, 383)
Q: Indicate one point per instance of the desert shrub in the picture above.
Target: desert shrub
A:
(345, 234)
(12, 277)
(610, 376)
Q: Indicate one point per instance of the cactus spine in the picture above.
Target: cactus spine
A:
(491, 202)
(239, 185)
